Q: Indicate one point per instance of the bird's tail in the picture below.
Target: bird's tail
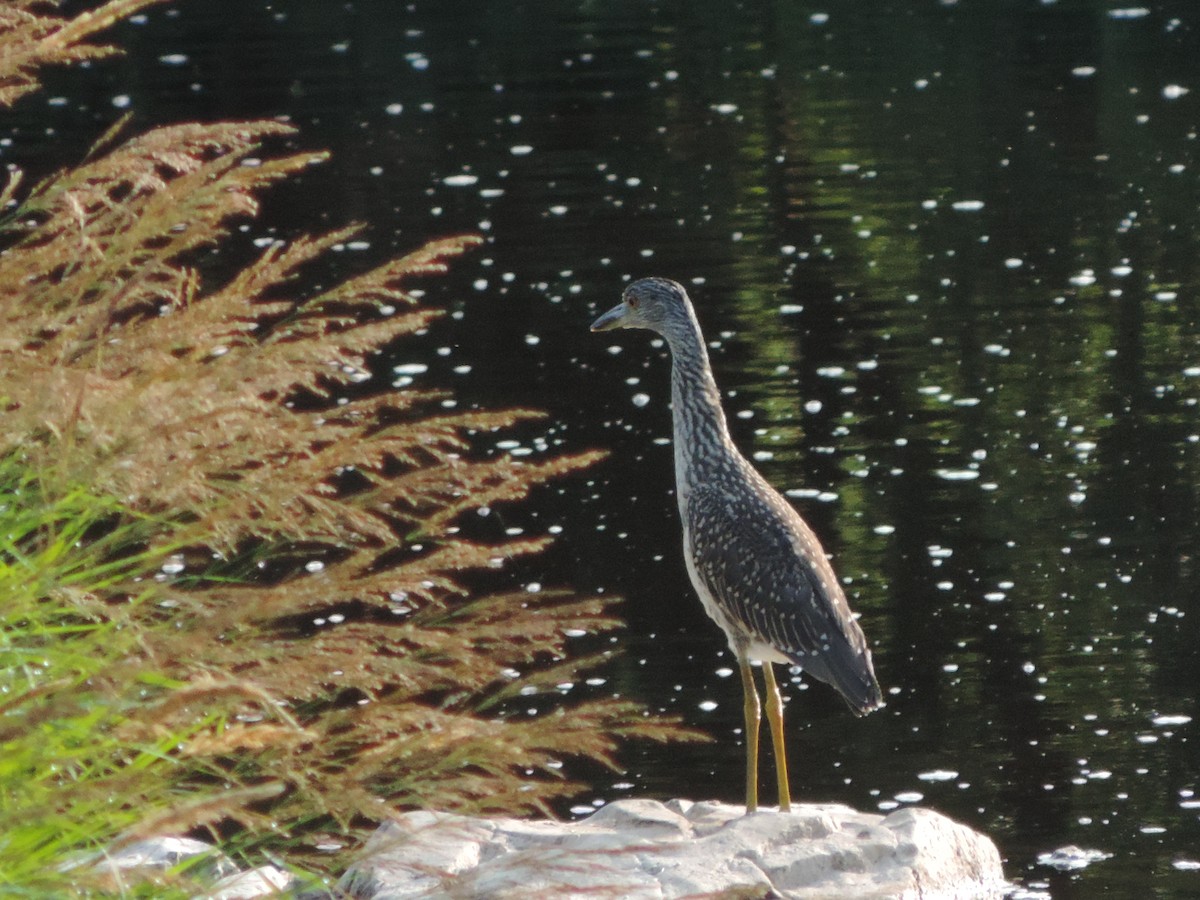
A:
(850, 671)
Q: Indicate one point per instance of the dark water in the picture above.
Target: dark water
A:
(947, 257)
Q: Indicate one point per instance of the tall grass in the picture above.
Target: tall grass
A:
(230, 568)
(68, 678)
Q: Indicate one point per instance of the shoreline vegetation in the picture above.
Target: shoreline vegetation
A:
(192, 473)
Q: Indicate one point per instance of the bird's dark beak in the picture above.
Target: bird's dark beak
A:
(614, 318)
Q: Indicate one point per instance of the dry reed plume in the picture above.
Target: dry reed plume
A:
(230, 422)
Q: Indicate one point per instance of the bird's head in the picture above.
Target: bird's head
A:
(654, 303)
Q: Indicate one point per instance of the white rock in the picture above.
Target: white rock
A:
(209, 868)
(646, 849)
(265, 881)
(161, 853)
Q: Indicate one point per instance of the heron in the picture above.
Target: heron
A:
(758, 568)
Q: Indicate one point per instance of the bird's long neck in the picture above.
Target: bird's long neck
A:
(702, 442)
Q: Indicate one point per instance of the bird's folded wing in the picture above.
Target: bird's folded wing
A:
(764, 566)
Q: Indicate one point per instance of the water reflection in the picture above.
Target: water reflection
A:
(946, 254)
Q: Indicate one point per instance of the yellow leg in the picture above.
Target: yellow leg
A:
(753, 712)
(775, 720)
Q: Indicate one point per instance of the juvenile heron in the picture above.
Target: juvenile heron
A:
(757, 566)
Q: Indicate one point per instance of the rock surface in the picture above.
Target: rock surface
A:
(141, 863)
(265, 881)
(647, 849)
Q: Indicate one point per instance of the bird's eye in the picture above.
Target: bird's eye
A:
(632, 301)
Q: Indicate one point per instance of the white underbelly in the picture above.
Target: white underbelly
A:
(741, 642)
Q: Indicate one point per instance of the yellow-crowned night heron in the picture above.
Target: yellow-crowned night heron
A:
(758, 568)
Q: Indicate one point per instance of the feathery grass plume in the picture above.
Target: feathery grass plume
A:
(192, 474)
(30, 40)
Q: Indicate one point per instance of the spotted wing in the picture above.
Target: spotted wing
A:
(766, 570)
